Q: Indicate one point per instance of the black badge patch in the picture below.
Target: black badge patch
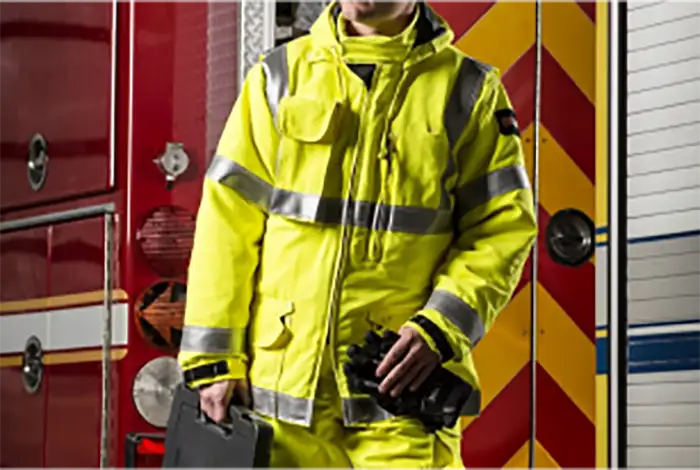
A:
(507, 122)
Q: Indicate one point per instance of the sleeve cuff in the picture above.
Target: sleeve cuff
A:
(211, 372)
(432, 334)
(459, 344)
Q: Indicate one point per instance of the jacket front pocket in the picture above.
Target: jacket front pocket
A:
(309, 130)
(419, 164)
(271, 327)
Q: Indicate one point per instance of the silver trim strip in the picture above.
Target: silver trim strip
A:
(276, 77)
(356, 410)
(113, 101)
(616, 455)
(491, 185)
(210, 340)
(57, 217)
(282, 406)
(465, 92)
(316, 208)
(460, 313)
(105, 418)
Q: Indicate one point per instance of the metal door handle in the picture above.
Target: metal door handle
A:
(37, 162)
(32, 365)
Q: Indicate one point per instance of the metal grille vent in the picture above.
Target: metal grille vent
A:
(166, 238)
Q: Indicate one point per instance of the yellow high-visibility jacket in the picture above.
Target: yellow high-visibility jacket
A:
(355, 186)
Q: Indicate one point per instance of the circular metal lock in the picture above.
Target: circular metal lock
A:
(32, 365)
(154, 388)
(570, 237)
(37, 162)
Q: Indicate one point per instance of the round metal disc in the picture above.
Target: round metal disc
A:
(570, 237)
(154, 389)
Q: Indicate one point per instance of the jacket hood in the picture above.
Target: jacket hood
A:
(432, 31)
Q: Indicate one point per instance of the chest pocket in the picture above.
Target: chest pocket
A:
(309, 129)
(420, 157)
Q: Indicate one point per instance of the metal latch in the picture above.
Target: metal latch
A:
(570, 237)
(37, 162)
(173, 162)
(32, 365)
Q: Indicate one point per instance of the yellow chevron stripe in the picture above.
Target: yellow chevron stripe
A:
(562, 183)
(516, 24)
(505, 350)
(565, 352)
(520, 460)
(542, 457)
(66, 357)
(601, 115)
(601, 421)
(59, 301)
(569, 35)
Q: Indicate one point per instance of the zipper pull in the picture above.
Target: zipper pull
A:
(389, 145)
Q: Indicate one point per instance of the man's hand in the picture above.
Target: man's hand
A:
(408, 363)
(214, 399)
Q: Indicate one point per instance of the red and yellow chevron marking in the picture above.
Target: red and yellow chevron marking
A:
(502, 34)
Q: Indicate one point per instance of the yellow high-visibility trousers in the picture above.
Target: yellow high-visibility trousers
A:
(398, 442)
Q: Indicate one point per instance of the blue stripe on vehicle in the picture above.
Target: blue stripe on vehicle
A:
(651, 238)
(666, 352)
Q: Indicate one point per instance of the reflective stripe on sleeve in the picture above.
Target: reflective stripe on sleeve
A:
(210, 340)
(460, 313)
(251, 187)
(489, 186)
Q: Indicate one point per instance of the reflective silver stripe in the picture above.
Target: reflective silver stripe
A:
(276, 77)
(247, 184)
(465, 92)
(489, 186)
(359, 410)
(315, 208)
(204, 339)
(459, 313)
(282, 406)
(287, 408)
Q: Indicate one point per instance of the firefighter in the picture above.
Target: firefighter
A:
(369, 176)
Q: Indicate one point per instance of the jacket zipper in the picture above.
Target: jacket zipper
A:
(348, 213)
(381, 211)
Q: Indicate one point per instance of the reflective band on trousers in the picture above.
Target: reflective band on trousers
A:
(460, 313)
(359, 410)
(204, 339)
(405, 219)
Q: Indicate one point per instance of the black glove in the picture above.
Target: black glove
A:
(437, 403)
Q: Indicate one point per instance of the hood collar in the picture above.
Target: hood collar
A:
(432, 32)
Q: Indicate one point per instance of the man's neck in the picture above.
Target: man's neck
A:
(390, 28)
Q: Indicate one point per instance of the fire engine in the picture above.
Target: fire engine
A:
(111, 112)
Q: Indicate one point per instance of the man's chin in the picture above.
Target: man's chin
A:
(369, 18)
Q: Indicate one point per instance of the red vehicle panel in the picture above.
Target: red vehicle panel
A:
(23, 263)
(57, 73)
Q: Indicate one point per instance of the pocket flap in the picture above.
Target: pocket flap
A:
(308, 120)
(272, 323)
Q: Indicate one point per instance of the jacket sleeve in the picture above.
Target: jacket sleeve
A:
(229, 228)
(495, 230)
